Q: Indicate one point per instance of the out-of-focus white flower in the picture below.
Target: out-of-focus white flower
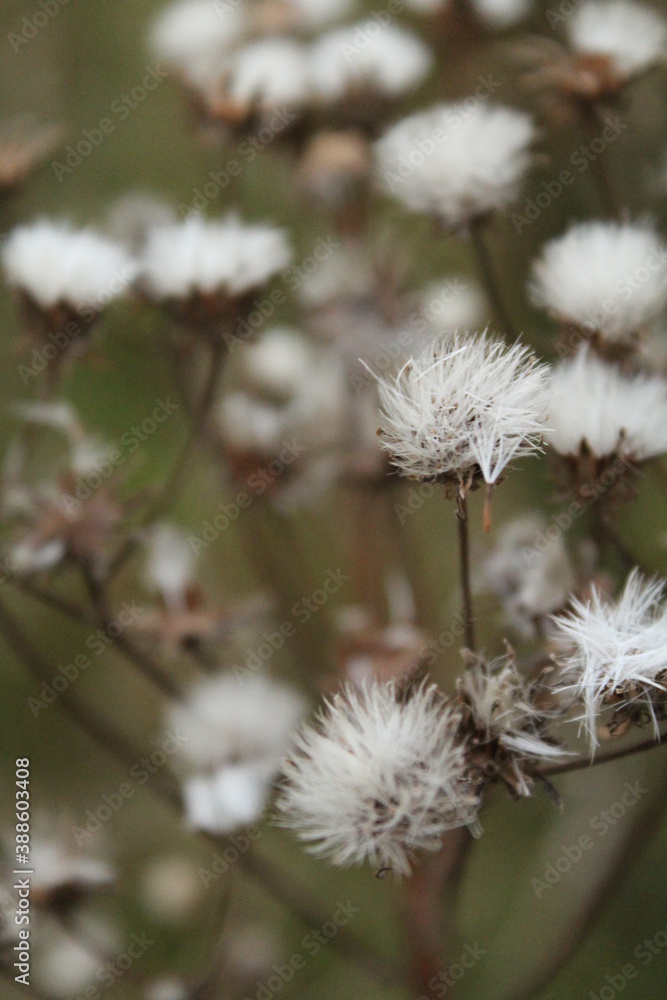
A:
(57, 868)
(501, 13)
(194, 36)
(237, 734)
(168, 989)
(603, 276)
(278, 363)
(613, 653)
(270, 72)
(468, 406)
(378, 777)
(54, 264)
(233, 796)
(389, 60)
(224, 256)
(229, 720)
(456, 161)
(631, 36)
(346, 273)
(452, 304)
(529, 572)
(170, 887)
(170, 564)
(593, 404)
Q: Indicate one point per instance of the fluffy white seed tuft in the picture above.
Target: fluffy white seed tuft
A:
(468, 406)
(615, 653)
(377, 778)
(456, 162)
(631, 36)
(603, 276)
(592, 403)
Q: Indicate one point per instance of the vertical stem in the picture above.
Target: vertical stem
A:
(489, 278)
(590, 119)
(464, 568)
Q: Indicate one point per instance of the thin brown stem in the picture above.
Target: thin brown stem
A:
(464, 569)
(489, 279)
(581, 924)
(610, 200)
(175, 482)
(280, 887)
(565, 767)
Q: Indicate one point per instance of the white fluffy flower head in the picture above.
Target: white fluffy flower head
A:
(456, 161)
(194, 36)
(603, 276)
(467, 407)
(201, 257)
(615, 653)
(501, 13)
(270, 72)
(631, 36)
(593, 404)
(55, 264)
(377, 777)
(391, 61)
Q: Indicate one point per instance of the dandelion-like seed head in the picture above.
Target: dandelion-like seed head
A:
(595, 408)
(605, 277)
(378, 777)
(456, 162)
(629, 36)
(613, 655)
(463, 410)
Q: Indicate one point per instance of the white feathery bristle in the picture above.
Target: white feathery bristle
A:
(615, 649)
(170, 564)
(377, 778)
(456, 162)
(389, 60)
(469, 403)
(592, 401)
(270, 71)
(195, 36)
(55, 264)
(632, 36)
(502, 13)
(200, 256)
(603, 276)
(236, 720)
